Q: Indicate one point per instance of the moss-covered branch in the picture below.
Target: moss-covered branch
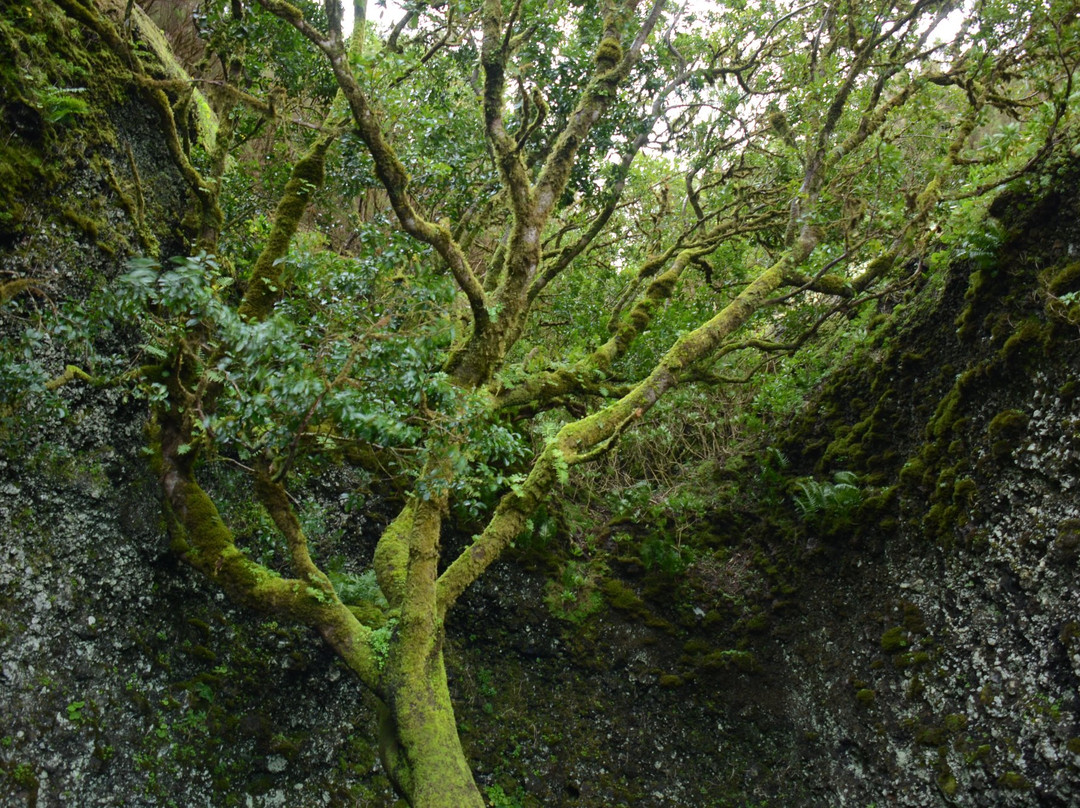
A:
(388, 167)
(202, 539)
(391, 558)
(579, 441)
(275, 500)
(9, 289)
(613, 64)
(266, 287)
(550, 386)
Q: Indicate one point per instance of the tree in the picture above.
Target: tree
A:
(735, 180)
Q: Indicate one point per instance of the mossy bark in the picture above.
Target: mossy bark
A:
(421, 738)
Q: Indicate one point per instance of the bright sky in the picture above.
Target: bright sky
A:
(383, 14)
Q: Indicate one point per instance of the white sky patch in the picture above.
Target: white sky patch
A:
(948, 28)
(383, 14)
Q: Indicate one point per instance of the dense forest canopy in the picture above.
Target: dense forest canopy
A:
(464, 255)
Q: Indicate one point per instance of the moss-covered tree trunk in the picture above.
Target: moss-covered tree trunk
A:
(420, 746)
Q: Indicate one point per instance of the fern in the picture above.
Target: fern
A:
(833, 502)
(356, 588)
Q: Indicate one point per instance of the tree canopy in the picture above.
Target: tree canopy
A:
(462, 256)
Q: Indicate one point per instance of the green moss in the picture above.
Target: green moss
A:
(894, 639)
(1008, 424)
(1070, 634)
(1065, 280)
(203, 653)
(1073, 745)
(82, 222)
(947, 783)
(947, 413)
(1032, 338)
(916, 687)
(1066, 543)
(912, 472)
(608, 53)
(670, 681)
(940, 521)
(22, 775)
(931, 736)
(622, 597)
(721, 660)
(756, 623)
(981, 753)
(865, 696)
(914, 621)
(696, 646)
(1014, 781)
(911, 659)
(965, 489)
(1005, 432)
(955, 722)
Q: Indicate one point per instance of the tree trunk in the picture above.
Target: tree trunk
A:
(419, 742)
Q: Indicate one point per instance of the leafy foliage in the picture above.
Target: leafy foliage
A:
(829, 503)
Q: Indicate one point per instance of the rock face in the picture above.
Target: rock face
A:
(938, 661)
(925, 652)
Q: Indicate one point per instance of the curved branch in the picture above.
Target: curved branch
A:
(201, 539)
(388, 167)
(581, 440)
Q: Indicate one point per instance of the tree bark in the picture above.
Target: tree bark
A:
(420, 745)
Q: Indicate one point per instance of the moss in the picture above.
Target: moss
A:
(37, 110)
(865, 696)
(1066, 544)
(981, 753)
(946, 414)
(82, 222)
(1065, 280)
(1030, 339)
(914, 622)
(912, 472)
(947, 783)
(743, 661)
(894, 639)
(1014, 781)
(670, 681)
(756, 623)
(696, 646)
(965, 490)
(608, 54)
(955, 722)
(200, 625)
(1007, 425)
(265, 286)
(1073, 745)
(623, 598)
(203, 653)
(931, 736)
(911, 659)
(877, 505)
(1005, 432)
(940, 521)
